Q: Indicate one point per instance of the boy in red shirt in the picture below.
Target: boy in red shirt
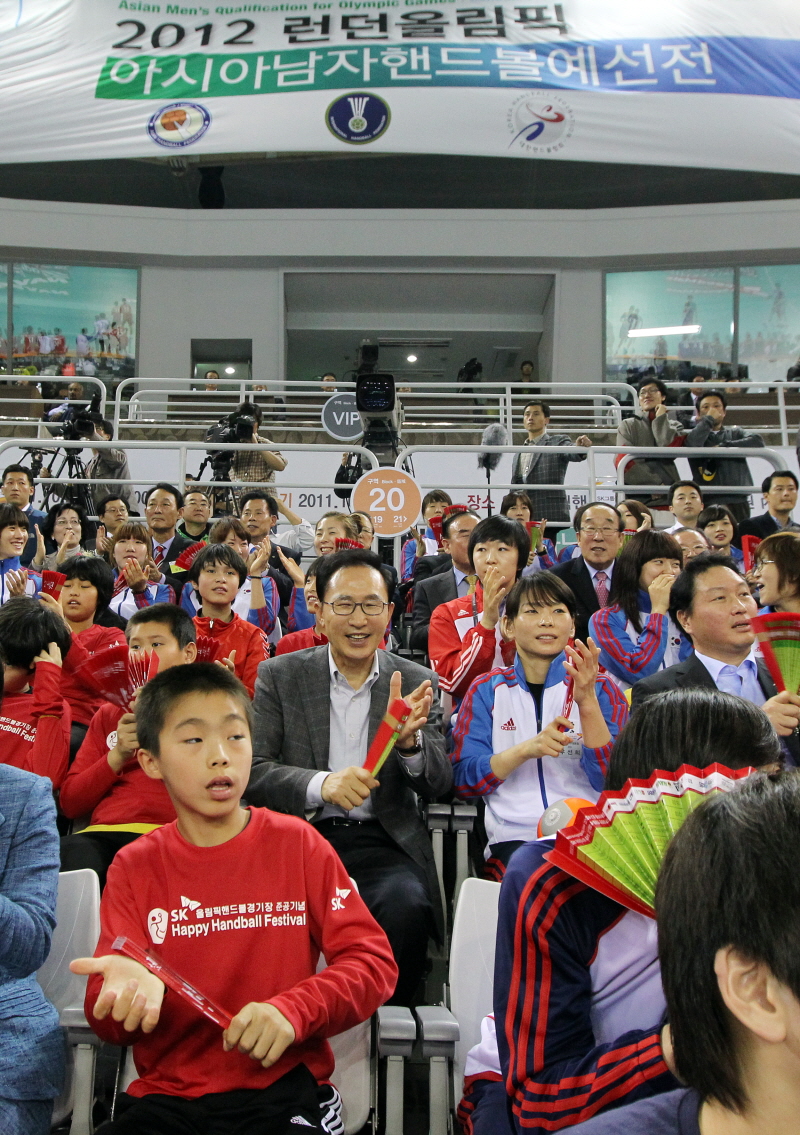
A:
(35, 721)
(309, 636)
(106, 779)
(217, 573)
(241, 902)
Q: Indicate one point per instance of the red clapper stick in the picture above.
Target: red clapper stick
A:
(569, 696)
(150, 960)
(383, 742)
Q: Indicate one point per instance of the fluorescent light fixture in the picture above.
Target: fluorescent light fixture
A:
(411, 358)
(645, 332)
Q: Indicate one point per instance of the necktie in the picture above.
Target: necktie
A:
(472, 580)
(601, 588)
(159, 556)
(729, 681)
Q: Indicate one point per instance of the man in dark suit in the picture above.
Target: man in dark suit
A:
(316, 713)
(780, 490)
(162, 507)
(711, 601)
(599, 531)
(448, 577)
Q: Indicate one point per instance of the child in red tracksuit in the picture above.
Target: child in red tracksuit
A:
(464, 638)
(35, 722)
(217, 573)
(241, 902)
(106, 781)
(85, 595)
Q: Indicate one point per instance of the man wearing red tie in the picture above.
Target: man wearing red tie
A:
(599, 531)
(162, 507)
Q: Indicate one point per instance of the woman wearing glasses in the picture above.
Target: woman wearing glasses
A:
(64, 534)
(635, 633)
(777, 572)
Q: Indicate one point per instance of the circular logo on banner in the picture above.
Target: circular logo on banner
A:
(179, 124)
(358, 118)
(391, 497)
(341, 419)
(538, 125)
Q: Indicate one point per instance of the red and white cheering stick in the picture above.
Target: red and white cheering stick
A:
(569, 696)
(384, 740)
(151, 961)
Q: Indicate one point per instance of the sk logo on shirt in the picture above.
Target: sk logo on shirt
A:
(509, 725)
(337, 903)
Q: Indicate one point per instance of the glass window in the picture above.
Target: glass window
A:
(769, 320)
(75, 320)
(672, 317)
(3, 316)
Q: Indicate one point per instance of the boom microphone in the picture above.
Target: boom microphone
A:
(492, 435)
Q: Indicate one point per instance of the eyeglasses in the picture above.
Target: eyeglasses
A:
(347, 606)
(762, 563)
(599, 531)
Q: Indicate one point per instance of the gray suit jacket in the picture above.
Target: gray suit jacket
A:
(428, 594)
(292, 738)
(547, 469)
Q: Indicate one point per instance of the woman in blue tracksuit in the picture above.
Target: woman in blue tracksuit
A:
(777, 573)
(15, 579)
(132, 561)
(635, 634)
(720, 528)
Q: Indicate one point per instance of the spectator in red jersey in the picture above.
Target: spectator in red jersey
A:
(106, 781)
(268, 1070)
(35, 724)
(217, 573)
(309, 636)
(465, 640)
(84, 597)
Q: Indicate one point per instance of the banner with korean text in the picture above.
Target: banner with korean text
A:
(712, 84)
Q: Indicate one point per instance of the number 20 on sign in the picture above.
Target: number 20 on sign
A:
(391, 497)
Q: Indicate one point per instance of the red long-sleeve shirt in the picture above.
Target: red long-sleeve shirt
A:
(300, 640)
(83, 700)
(243, 921)
(117, 798)
(35, 727)
(460, 649)
(249, 642)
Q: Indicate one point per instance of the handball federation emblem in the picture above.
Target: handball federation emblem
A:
(179, 124)
(538, 126)
(358, 118)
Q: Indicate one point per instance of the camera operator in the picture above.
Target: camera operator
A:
(253, 465)
(111, 463)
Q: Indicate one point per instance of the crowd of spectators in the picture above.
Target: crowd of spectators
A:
(235, 783)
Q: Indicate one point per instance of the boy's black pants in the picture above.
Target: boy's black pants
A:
(290, 1106)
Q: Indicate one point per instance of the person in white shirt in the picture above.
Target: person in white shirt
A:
(685, 504)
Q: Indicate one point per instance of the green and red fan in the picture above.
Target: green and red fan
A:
(778, 633)
(616, 845)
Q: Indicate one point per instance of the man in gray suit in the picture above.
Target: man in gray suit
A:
(316, 712)
(541, 468)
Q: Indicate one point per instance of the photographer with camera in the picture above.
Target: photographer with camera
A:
(253, 465)
(111, 463)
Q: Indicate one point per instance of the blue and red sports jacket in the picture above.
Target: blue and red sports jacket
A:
(499, 711)
(577, 998)
(628, 658)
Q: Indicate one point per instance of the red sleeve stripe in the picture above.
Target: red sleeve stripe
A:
(465, 660)
(645, 651)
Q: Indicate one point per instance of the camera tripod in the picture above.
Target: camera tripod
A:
(223, 499)
(70, 469)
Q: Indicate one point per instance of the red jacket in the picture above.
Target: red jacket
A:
(243, 921)
(300, 640)
(249, 642)
(460, 649)
(35, 727)
(125, 797)
(81, 697)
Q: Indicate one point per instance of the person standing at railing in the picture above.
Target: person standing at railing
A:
(711, 432)
(111, 463)
(541, 468)
(252, 465)
(651, 427)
